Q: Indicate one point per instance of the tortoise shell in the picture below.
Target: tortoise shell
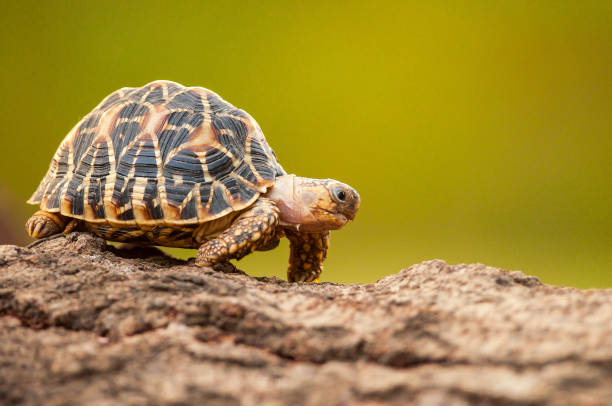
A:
(159, 155)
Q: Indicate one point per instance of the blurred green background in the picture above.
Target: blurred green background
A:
(475, 131)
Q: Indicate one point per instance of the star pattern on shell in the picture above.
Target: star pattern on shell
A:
(159, 155)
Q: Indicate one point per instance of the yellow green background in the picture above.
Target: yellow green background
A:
(475, 131)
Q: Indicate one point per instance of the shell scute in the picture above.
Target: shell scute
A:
(187, 100)
(186, 165)
(218, 202)
(155, 96)
(145, 163)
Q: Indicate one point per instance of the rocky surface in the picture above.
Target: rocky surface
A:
(84, 323)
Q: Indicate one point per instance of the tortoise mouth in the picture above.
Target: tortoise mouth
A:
(324, 220)
(339, 219)
(342, 217)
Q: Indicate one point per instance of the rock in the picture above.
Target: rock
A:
(82, 322)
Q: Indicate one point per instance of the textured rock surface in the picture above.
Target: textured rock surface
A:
(80, 324)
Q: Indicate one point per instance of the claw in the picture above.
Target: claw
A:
(43, 224)
(37, 229)
(203, 263)
(306, 277)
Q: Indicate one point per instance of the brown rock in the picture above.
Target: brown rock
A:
(84, 323)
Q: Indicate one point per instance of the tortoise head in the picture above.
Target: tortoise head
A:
(314, 205)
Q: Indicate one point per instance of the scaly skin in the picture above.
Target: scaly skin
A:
(308, 251)
(258, 229)
(253, 229)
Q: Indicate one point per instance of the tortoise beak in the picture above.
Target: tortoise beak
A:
(353, 205)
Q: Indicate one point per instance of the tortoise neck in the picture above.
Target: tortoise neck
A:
(284, 194)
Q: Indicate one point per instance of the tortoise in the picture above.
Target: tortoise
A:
(177, 166)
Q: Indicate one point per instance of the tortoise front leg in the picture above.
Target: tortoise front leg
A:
(255, 228)
(308, 251)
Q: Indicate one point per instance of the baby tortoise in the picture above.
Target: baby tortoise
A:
(178, 166)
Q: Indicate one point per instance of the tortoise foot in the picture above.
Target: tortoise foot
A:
(44, 224)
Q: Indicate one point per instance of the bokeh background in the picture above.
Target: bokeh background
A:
(475, 131)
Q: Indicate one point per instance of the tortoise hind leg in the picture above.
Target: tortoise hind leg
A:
(256, 228)
(44, 224)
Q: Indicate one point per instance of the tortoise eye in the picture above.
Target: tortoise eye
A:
(339, 195)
